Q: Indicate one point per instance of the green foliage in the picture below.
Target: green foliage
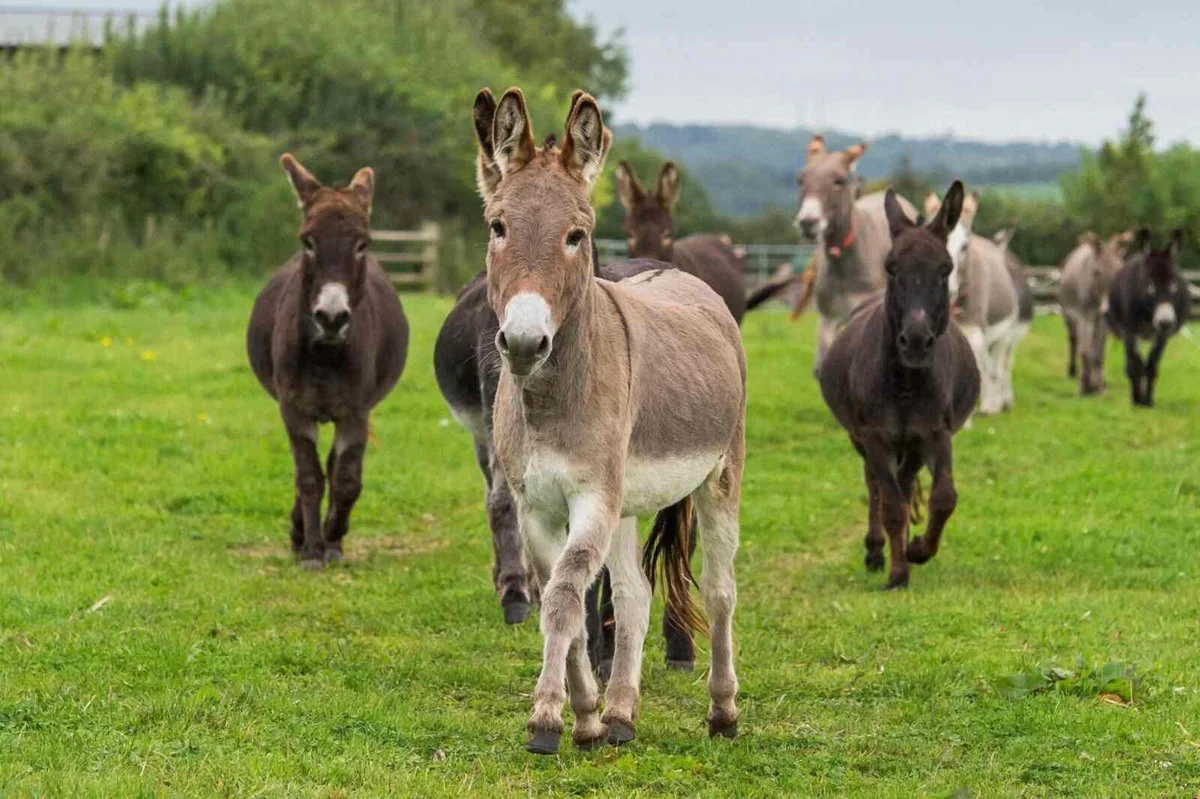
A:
(384, 83)
(98, 178)
(1113, 681)
(1128, 184)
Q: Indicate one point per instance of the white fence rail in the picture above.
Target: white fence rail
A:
(761, 260)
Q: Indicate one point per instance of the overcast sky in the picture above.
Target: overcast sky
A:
(995, 71)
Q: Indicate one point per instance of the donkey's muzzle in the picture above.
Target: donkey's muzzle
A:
(332, 325)
(1164, 317)
(916, 346)
(525, 337)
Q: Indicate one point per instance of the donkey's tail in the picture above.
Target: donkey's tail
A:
(808, 281)
(918, 502)
(668, 553)
(782, 278)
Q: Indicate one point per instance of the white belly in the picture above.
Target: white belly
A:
(652, 484)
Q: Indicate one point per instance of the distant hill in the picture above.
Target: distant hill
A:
(748, 169)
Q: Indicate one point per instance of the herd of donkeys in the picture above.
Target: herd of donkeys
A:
(597, 394)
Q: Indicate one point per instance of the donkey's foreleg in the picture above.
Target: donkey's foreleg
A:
(310, 486)
(1152, 360)
(631, 603)
(874, 539)
(345, 482)
(1133, 368)
(827, 330)
(592, 522)
(943, 499)
(717, 502)
(894, 512)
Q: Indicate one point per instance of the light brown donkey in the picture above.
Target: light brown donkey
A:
(615, 399)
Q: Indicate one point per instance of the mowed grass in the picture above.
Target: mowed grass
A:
(156, 636)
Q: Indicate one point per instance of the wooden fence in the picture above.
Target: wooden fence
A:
(409, 256)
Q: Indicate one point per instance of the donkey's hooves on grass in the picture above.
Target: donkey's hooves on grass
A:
(312, 564)
(334, 556)
(896, 582)
(589, 744)
(543, 743)
(516, 612)
(916, 551)
(874, 561)
(620, 732)
(722, 729)
(681, 665)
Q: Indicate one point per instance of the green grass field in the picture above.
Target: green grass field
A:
(157, 638)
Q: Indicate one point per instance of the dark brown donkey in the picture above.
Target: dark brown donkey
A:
(1148, 300)
(902, 380)
(650, 233)
(327, 339)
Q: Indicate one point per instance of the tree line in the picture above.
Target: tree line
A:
(156, 158)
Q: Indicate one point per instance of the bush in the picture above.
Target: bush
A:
(91, 171)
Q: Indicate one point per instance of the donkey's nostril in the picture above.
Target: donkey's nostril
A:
(903, 340)
(543, 348)
(340, 319)
(501, 342)
(929, 338)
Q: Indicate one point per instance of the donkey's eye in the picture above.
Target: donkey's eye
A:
(575, 237)
(309, 245)
(840, 182)
(360, 249)
(498, 229)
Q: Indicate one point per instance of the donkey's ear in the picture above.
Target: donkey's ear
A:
(851, 154)
(1003, 236)
(932, 203)
(487, 172)
(948, 214)
(303, 183)
(816, 147)
(1142, 242)
(512, 133)
(628, 189)
(668, 186)
(363, 187)
(898, 221)
(586, 143)
(1176, 242)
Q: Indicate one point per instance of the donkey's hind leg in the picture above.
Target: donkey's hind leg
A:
(345, 482)
(631, 601)
(717, 501)
(508, 566)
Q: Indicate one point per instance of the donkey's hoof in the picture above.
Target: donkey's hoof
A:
(544, 742)
(620, 732)
(312, 564)
(874, 561)
(675, 664)
(588, 744)
(916, 552)
(334, 556)
(516, 612)
(894, 583)
(604, 670)
(721, 728)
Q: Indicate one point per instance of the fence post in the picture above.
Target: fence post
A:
(432, 234)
